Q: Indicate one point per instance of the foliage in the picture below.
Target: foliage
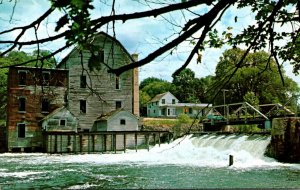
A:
(184, 119)
(251, 99)
(199, 26)
(253, 76)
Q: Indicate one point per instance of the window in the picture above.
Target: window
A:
(173, 101)
(22, 77)
(45, 105)
(22, 104)
(62, 122)
(163, 101)
(185, 110)
(101, 56)
(117, 82)
(21, 130)
(122, 122)
(82, 106)
(190, 110)
(118, 104)
(82, 81)
(169, 112)
(46, 78)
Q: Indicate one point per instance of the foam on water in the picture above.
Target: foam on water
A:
(205, 150)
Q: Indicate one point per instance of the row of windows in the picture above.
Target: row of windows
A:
(118, 104)
(23, 77)
(45, 105)
(163, 101)
(62, 122)
(83, 82)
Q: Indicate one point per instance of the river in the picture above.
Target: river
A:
(188, 162)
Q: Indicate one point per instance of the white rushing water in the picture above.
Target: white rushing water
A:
(204, 151)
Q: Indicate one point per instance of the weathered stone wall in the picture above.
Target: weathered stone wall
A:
(285, 142)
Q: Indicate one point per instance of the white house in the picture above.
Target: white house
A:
(117, 120)
(167, 105)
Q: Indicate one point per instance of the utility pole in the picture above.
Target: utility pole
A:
(224, 90)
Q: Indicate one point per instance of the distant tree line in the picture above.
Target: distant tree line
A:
(252, 81)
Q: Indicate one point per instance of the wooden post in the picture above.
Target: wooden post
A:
(88, 144)
(61, 140)
(154, 139)
(93, 143)
(80, 143)
(159, 139)
(115, 143)
(55, 143)
(50, 149)
(135, 141)
(147, 141)
(230, 160)
(124, 142)
(75, 142)
(104, 143)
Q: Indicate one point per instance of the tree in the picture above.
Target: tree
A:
(253, 80)
(77, 27)
(186, 86)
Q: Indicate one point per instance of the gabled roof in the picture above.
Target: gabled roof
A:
(57, 111)
(111, 114)
(159, 97)
(91, 41)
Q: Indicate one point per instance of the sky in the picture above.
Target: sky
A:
(140, 36)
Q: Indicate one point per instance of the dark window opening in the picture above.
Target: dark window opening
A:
(82, 106)
(86, 130)
(21, 130)
(22, 104)
(46, 78)
(101, 56)
(22, 77)
(117, 82)
(168, 111)
(82, 81)
(122, 122)
(62, 122)
(163, 101)
(118, 104)
(173, 101)
(45, 105)
(190, 110)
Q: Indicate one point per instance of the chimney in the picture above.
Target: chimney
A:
(135, 88)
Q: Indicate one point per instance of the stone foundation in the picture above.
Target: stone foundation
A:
(285, 142)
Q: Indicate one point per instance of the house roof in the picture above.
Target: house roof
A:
(187, 105)
(56, 111)
(109, 115)
(100, 33)
(158, 97)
